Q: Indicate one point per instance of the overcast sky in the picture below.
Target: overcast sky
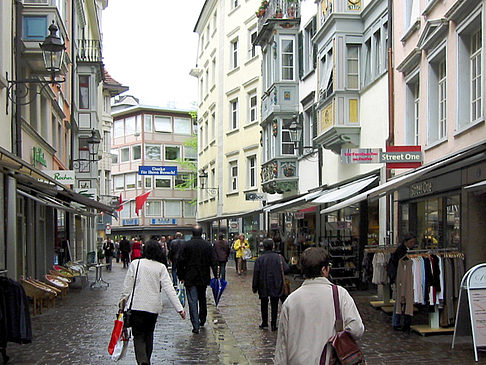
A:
(150, 46)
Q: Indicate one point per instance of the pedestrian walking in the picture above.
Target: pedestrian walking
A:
(194, 266)
(151, 277)
(125, 251)
(240, 245)
(109, 249)
(117, 251)
(307, 317)
(136, 249)
(268, 282)
(222, 251)
(175, 247)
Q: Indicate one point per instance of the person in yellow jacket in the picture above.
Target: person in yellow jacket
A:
(239, 246)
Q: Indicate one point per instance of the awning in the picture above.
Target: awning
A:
(231, 215)
(295, 204)
(477, 186)
(391, 185)
(344, 191)
(45, 200)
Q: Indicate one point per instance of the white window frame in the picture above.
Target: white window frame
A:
(442, 99)
(152, 205)
(118, 182)
(148, 183)
(350, 60)
(233, 174)
(252, 52)
(172, 146)
(168, 213)
(285, 139)
(437, 95)
(114, 156)
(130, 125)
(252, 171)
(293, 56)
(122, 150)
(234, 53)
(149, 145)
(412, 108)
(130, 181)
(118, 129)
(133, 152)
(164, 127)
(182, 125)
(147, 123)
(162, 178)
(189, 210)
(234, 114)
(252, 109)
(213, 126)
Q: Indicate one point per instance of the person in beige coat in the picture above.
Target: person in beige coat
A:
(307, 316)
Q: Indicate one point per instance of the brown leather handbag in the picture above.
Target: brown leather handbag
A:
(343, 347)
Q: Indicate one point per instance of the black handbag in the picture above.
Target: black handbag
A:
(127, 315)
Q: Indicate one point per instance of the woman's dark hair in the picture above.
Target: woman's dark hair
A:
(313, 260)
(268, 244)
(153, 251)
(408, 236)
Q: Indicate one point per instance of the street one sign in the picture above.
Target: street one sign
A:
(395, 157)
(157, 170)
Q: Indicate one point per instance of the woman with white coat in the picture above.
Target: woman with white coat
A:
(152, 277)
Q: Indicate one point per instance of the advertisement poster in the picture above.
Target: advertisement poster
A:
(478, 306)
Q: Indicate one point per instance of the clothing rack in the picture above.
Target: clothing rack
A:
(433, 326)
(384, 301)
(380, 249)
(3, 272)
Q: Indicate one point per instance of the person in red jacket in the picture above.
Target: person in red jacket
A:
(136, 249)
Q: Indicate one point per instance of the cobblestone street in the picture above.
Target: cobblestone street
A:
(78, 329)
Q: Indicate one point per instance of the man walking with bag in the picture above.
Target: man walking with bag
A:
(175, 247)
(307, 320)
(196, 259)
(222, 250)
(268, 281)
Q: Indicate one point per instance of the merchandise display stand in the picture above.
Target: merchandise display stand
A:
(433, 327)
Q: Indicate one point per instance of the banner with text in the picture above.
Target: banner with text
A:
(157, 170)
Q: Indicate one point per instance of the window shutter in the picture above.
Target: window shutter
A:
(301, 55)
(314, 121)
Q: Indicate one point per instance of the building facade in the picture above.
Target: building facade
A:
(148, 147)
(229, 151)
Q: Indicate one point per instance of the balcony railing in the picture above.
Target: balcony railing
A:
(89, 50)
(277, 9)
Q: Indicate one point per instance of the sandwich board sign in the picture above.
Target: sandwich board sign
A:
(473, 287)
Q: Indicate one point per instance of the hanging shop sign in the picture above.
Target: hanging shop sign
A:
(360, 155)
(65, 177)
(163, 221)
(234, 226)
(89, 193)
(299, 215)
(402, 157)
(256, 196)
(108, 229)
(157, 170)
(473, 285)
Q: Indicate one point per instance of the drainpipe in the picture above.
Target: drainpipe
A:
(18, 76)
(391, 117)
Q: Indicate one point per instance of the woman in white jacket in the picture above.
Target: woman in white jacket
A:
(307, 316)
(152, 278)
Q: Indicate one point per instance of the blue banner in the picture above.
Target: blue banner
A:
(157, 170)
(163, 221)
(130, 222)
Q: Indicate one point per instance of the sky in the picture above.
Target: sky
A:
(150, 46)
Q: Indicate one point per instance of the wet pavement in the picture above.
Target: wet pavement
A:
(77, 331)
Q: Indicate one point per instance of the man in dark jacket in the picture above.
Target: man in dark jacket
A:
(222, 250)
(175, 247)
(125, 251)
(196, 259)
(268, 281)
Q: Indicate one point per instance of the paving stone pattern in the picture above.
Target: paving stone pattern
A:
(77, 331)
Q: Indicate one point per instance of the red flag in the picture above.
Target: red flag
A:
(140, 201)
(120, 200)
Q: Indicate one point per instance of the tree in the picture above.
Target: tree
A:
(190, 183)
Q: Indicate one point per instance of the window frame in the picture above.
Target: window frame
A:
(292, 54)
(176, 215)
(234, 114)
(252, 109)
(150, 145)
(179, 154)
(164, 129)
(122, 160)
(234, 54)
(233, 174)
(252, 171)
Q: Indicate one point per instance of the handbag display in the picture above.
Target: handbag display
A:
(344, 349)
(286, 282)
(127, 315)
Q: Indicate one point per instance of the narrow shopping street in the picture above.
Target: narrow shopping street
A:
(78, 329)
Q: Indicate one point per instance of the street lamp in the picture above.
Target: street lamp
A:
(203, 177)
(53, 54)
(295, 132)
(84, 164)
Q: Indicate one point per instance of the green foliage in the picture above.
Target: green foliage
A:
(191, 182)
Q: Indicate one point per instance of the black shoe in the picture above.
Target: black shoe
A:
(195, 331)
(274, 328)
(263, 326)
(397, 328)
(201, 324)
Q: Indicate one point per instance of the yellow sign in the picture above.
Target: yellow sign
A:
(327, 117)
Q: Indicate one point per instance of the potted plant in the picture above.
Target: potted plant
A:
(278, 13)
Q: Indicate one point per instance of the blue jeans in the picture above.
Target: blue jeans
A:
(198, 311)
(174, 274)
(222, 269)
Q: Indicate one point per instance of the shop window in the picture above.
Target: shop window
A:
(453, 222)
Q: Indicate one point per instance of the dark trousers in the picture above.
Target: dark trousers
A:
(198, 310)
(174, 274)
(264, 310)
(126, 259)
(143, 326)
(221, 270)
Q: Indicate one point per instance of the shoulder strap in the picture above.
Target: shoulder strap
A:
(134, 282)
(337, 309)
